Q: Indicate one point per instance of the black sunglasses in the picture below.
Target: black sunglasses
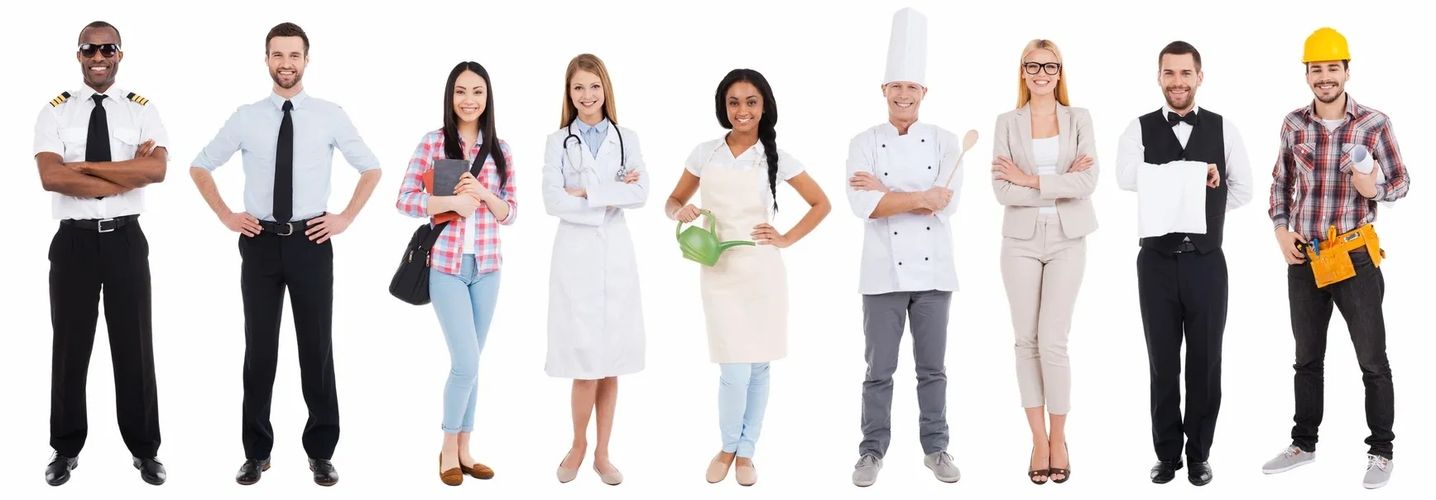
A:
(1050, 68)
(105, 49)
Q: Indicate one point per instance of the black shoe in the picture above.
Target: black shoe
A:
(1165, 471)
(324, 473)
(1200, 474)
(59, 469)
(250, 472)
(151, 470)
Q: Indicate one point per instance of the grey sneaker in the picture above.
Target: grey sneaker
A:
(1378, 471)
(942, 467)
(865, 473)
(1290, 458)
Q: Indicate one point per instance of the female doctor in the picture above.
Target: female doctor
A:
(592, 171)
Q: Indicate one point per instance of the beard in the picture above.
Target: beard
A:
(1178, 104)
(1328, 100)
(274, 75)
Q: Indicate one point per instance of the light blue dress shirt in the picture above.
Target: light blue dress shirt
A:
(593, 135)
(320, 127)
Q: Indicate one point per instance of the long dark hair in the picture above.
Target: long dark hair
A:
(767, 131)
(489, 140)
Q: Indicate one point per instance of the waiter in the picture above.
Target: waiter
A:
(288, 140)
(897, 172)
(97, 148)
(1182, 276)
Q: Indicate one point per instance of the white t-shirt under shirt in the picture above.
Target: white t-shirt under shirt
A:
(1044, 156)
(716, 153)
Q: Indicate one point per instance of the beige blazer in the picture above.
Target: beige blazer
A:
(1069, 191)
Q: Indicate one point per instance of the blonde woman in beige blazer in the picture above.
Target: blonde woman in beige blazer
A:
(1044, 169)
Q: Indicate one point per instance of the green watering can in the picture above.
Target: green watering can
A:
(702, 246)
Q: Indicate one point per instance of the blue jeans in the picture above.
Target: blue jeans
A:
(742, 399)
(465, 305)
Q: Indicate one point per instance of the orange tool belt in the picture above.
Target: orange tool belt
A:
(1331, 258)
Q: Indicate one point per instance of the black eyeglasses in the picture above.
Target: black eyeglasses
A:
(1050, 68)
(105, 49)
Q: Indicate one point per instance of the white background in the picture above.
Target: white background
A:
(386, 64)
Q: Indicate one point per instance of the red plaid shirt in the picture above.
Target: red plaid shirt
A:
(447, 256)
(1311, 187)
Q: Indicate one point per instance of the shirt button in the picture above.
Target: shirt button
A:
(929, 167)
(885, 174)
(899, 263)
(885, 145)
(924, 258)
(929, 228)
(894, 233)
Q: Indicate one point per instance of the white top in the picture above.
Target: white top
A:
(63, 129)
(1044, 156)
(717, 153)
(906, 252)
(1332, 124)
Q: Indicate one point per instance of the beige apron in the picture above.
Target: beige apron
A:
(745, 295)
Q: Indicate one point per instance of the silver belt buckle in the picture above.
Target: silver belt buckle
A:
(100, 225)
(289, 229)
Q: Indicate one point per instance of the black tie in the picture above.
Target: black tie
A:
(1173, 119)
(284, 168)
(97, 140)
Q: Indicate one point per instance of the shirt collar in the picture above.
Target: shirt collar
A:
(1351, 109)
(1168, 109)
(890, 129)
(584, 128)
(298, 100)
(85, 92)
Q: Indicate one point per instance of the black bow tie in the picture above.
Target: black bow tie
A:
(1173, 119)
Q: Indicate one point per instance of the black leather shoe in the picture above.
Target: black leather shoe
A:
(59, 469)
(151, 470)
(250, 472)
(1200, 474)
(1165, 471)
(324, 473)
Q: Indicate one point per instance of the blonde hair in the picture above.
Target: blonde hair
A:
(1024, 95)
(591, 64)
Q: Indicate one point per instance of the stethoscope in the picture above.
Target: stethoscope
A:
(622, 154)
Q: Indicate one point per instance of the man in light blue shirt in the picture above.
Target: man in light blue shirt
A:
(288, 142)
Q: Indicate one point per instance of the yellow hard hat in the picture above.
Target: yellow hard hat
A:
(1325, 44)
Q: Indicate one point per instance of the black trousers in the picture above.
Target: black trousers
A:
(83, 263)
(1183, 296)
(1359, 299)
(272, 264)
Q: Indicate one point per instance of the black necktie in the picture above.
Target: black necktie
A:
(1173, 119)
(284, 168)
(97, 140)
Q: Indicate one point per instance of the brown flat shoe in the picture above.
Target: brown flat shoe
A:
(478, 470)
(451, 477)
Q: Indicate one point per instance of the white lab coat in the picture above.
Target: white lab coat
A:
(905, 252)
(595, 315)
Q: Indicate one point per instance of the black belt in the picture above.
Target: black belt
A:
(1185, 247)
(100, 225)
(285, 228)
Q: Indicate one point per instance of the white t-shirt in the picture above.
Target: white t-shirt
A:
(716, 153)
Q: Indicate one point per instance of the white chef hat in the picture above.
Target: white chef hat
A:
(907, 49)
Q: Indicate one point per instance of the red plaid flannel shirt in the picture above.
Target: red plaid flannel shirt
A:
(447, 255)
(1311, 187)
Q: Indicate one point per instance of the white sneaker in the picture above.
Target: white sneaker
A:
(1378, 471)
(1290, 458)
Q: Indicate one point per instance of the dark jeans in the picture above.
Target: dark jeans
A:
(1359, 299)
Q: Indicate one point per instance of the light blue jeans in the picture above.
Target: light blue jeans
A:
(465, 305)
(742, 399)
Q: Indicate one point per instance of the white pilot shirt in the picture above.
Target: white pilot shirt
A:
(62, 128)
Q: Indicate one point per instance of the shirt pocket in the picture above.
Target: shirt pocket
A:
(126, 141)
(1304, 155)
(74, 139)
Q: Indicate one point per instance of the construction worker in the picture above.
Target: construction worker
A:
(1337, 160)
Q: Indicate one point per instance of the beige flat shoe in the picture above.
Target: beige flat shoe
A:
(717, 469)
(566, 475)
(747, 475)
(609, 479)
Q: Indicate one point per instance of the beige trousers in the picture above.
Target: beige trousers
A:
(1042, 275)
